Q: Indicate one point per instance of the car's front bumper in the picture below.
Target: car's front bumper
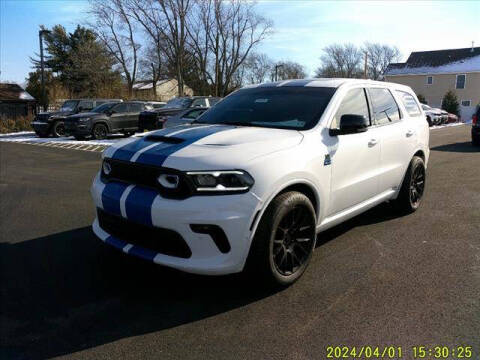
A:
(41, 127)
(234, 214)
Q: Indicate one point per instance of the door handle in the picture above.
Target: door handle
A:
(372, 142)
(410, 133)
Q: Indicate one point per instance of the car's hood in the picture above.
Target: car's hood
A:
(205, 147)
(57, 113)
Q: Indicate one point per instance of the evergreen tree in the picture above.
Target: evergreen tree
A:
(450, 102)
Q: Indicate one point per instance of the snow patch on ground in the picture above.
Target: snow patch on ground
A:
(449, 125)
(31, 137)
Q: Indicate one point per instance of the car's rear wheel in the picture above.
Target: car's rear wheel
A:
(413, 187)
(284, 241)
(58, 129)
(99, 132)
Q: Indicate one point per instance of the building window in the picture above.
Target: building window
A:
(429, 80)
(466, 102)
(461, 79)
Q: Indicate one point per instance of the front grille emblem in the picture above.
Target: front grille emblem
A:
(169, 181)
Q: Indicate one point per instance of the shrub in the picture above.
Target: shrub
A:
(21, 123)
(421, 98)
(450, 102)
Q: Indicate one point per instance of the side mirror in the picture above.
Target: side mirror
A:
(351, 124)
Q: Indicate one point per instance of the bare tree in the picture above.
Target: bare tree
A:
(379, 57)
(165, 22)
(340, 61)
(289, 70)
(222, 35)
(114, 26)
(257, 68)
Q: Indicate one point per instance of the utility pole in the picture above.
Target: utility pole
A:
(365, 66)
(276, 70)
(42, 67)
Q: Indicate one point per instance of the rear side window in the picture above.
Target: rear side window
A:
(354, 103)
(135, 107)
(120, 108)
(385, 108)
(86, 104)
(410, 104)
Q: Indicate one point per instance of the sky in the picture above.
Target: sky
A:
(302, 28)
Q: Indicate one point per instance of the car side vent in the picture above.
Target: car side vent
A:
(166, 139)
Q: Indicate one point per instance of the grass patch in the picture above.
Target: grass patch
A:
(21, 123)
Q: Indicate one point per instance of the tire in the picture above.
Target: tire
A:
(475, 141)
(413, 187)
(58, 129)
(276, 256)
(99, 132)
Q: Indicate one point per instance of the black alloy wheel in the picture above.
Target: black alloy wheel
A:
(284, 240)
(99, 132)
(59, 129)
(293, 241)
(417, 185)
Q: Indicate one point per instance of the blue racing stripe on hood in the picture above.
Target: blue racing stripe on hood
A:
(158, 154)
(138, 205)
(111, 195)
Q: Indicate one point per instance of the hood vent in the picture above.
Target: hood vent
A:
(165, 139)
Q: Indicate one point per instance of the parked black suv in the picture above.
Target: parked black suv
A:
(52, 123)
(108, 118)
(154, 119)
(476, 128)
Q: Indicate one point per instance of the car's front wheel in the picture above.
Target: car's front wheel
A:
(413, 186)
(58, 129)
(99, 132)
(284, 241)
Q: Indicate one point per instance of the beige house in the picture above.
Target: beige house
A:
(166, 90)
(433, 73)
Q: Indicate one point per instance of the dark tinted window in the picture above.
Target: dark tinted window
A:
(213, 100)
(104, 107)
(120, 108)
(354, 103)
(193, 114)
(385, 108)
(410, 104)
(199, 103)
(277, 107)
(135, 107)
(86, 104)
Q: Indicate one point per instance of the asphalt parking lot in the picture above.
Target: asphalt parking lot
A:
(378, 279)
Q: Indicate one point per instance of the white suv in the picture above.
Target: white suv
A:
(251, 182)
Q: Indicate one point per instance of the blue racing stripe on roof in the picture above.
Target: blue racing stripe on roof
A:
(138, 205)
(158, 155)
(111, 195)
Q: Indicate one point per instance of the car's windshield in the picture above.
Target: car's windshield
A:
(178, 103)
(69, 105)
(103, 108)
(297, 108)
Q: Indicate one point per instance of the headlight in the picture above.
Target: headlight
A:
(221, 181)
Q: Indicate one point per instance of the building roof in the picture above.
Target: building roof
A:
(14, 92)
(438, 62)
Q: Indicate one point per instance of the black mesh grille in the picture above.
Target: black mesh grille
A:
(163, 241)
(43, 117)
(139, 174)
